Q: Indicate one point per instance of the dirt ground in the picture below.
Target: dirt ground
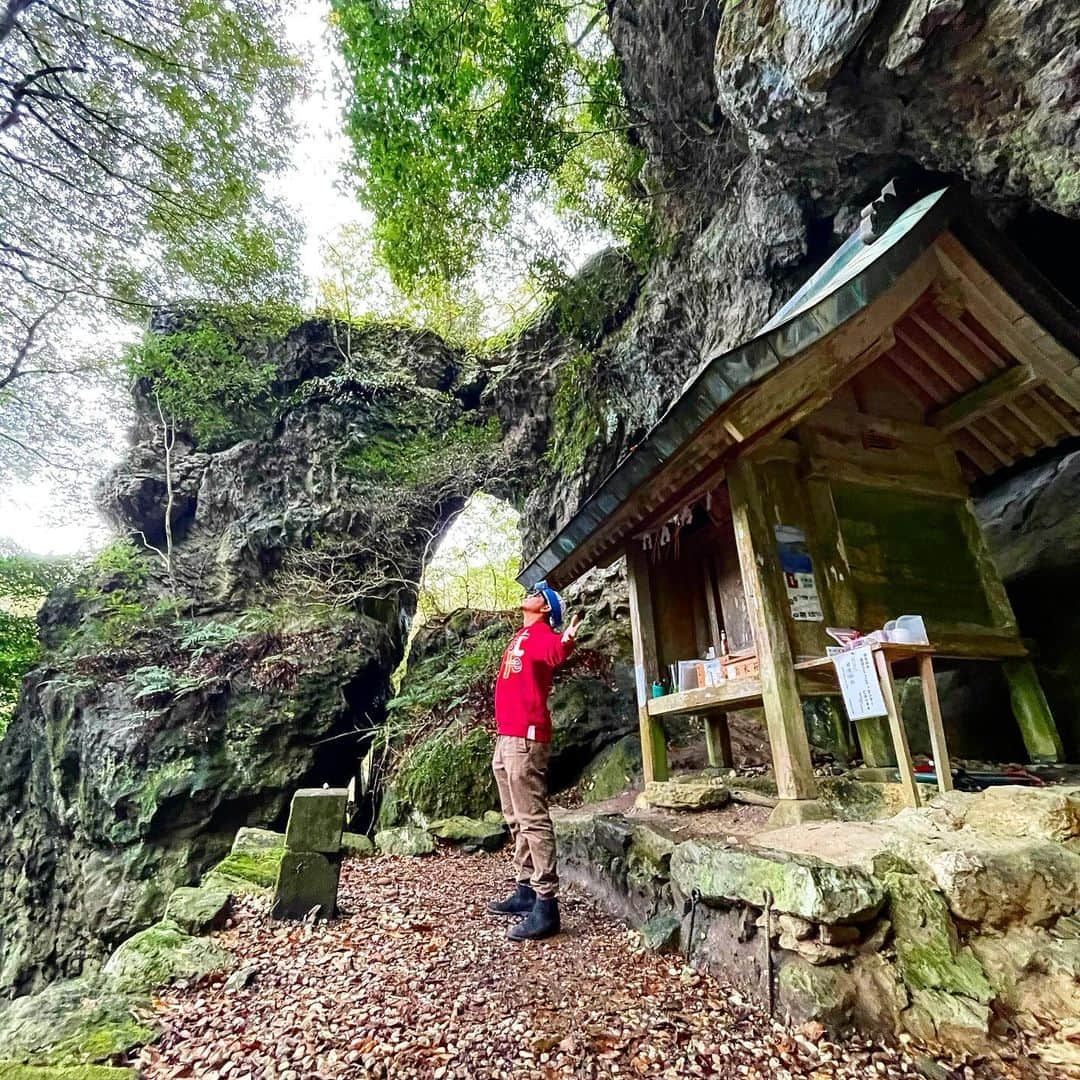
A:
(416, 980)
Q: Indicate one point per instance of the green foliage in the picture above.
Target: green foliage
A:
(201, 638)
(449, 773)
(576, 415)
(152, 680)
(476, 563)
(138, 139)
(24, 583)
(461, 107)
(425, 457)
(122, 561)
(207, 373)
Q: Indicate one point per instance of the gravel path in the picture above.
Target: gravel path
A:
(416, 980)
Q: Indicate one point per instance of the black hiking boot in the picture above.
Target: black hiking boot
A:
(519, 902)
(543, 921)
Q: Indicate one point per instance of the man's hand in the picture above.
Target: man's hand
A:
(575, 625)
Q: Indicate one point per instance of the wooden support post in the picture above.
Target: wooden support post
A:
(933, 719)
(766, 603)
(646, 663)
(1032, 712)
(896, 725)
(718, 740)
(875, 742)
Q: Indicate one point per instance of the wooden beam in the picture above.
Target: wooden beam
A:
(1009, 322)
(982, 399)
(767, 605)
(646, 662)
(718, 741)
(938, 744)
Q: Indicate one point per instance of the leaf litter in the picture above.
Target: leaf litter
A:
(416, 979)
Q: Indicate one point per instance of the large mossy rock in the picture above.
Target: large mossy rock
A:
(13, 1071)
(172, 709)
(404, 840)
(162, 954)
(612, 771)
(800, 884)
(251, 867)
(198, 911)
(356, 845)
(472, 834)
(76, 1021)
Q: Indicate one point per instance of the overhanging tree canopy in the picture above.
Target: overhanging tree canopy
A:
(458, 107)
(134, 139)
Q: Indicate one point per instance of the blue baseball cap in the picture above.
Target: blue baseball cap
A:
(554, 601)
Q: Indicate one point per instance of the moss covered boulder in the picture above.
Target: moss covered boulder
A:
(928, 950)
(405, 840)
(694, 791)
(612, 771)
(11, 1070)
(76, 1022)
(160, 955)
(356, 845)
(251, 868)
(198, 911)
(472, 834)
(799, 884)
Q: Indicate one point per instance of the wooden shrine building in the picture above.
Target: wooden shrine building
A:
(818, 475)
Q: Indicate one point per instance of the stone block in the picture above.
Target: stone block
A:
(357, 845)
(469, 833)
(661, 934)
(697, 792)
(161, 954)
(800, 884)
(307, 880)
(405, 840)
(316, 820)
(198, 911)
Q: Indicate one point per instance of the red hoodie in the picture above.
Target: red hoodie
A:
(524, 681)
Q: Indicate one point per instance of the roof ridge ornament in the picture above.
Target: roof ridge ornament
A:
(877, 216)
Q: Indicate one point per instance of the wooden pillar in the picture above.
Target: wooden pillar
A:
(718, 740)
(767, 605)
(896, 726)
(1032, 712)
(646, 663)
(1030, 707)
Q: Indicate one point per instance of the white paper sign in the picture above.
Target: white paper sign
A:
(798, 569)
(859, 683)
(803, 597)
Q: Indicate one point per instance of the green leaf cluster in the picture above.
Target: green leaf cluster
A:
(459, 108)
(25, 581)
(424, 457)
(211, 374)
(577, 415)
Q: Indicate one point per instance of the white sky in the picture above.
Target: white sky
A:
(33, 515)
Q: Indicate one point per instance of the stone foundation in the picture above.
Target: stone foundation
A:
(956, 924)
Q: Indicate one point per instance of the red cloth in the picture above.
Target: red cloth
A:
(524, 681)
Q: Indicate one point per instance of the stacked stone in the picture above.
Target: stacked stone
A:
(307, 879)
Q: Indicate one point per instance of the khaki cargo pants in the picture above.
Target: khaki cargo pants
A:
(520, 767)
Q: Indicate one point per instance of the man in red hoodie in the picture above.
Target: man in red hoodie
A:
(522, 750)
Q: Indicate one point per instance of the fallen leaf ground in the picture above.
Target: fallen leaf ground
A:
(416, 980)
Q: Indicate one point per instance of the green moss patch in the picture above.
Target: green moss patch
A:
(80, 1021)
(246, 874)
(10, 1070)
(161, 954)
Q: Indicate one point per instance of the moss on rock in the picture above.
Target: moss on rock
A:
(928, 951)
(158, 955)
(612, 771)
(357, 845)
(252, 865)
(445, 775)
(406, 840)
(75, 1022)
(11, 1070)
(198, 911)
